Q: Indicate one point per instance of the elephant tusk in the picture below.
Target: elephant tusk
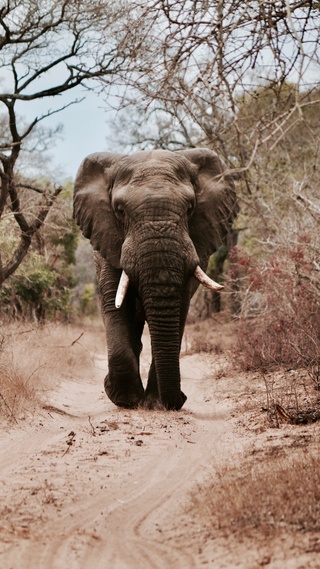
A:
(206, 281)
(122, 289)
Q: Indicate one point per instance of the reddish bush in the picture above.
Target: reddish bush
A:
(280, 319)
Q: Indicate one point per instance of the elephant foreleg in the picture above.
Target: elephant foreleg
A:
(123, 382)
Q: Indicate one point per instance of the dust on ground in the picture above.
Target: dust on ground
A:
(84, 484)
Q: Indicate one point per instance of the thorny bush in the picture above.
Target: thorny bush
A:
(280, 317)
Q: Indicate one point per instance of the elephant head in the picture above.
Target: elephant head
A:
(155, 217)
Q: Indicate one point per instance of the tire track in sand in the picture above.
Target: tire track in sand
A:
(111, 498)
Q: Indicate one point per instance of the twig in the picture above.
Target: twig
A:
(76, 340)
(92, 427)
(70, 442)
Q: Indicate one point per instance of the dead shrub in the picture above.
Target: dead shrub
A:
(33, 360)
(280, 492)
(18, 379)
(17, 391)
(215, 335)
(280, 321)
(203, 347)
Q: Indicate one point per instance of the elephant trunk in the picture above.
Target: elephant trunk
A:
(163, 313)
(159, 266)
(162, 281)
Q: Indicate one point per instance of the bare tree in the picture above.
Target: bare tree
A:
(199, 59)
(242, 78)
(47, 48)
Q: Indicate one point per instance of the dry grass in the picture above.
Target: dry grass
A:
(294, 392)
(271, 490)
(290, 385)
(35, 359)
(280, 492)
(216, 335)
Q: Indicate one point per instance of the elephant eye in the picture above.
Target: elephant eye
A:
(119, 210)
(190, 208)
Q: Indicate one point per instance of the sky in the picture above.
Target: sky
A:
(85, 124)
(85, 130)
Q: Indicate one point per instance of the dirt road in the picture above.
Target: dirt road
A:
(89, 485)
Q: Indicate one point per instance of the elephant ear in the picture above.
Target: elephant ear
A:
(217, 204)
(92, 208)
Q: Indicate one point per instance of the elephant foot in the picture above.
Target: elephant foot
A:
(173, 402)
(128, 396)
(153, 401)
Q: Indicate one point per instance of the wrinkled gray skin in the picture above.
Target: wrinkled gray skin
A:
(157, 215)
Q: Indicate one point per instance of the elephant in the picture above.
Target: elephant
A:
(153, 219)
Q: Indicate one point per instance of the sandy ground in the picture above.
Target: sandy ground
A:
(85, 484)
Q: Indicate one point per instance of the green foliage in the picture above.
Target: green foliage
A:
(87, 301)
(60, 232)
(41, 287)
(36, 291)
(8, 238)
(67, 243)
(34, 279)
(216, 261)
